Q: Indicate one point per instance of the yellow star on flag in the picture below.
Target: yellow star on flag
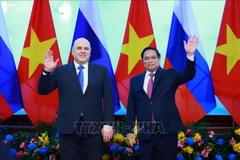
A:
(35, 52)
(134, 47)
(231, 49)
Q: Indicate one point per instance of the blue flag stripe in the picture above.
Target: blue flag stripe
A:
(9, 83)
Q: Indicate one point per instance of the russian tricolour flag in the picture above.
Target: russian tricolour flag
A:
(195, 98)
(10, 93)
(89, 26)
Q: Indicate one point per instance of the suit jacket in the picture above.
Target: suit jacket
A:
(96, 103)
(162, 103)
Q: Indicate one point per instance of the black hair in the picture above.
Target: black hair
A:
(150, 48)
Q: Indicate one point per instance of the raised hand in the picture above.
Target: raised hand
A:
(191, 45)
(49, 63)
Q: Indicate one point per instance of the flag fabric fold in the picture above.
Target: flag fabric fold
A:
(195, 98)
(89, 26)
(138, 35)
(10, 93)
(226, 62)
(40, 38)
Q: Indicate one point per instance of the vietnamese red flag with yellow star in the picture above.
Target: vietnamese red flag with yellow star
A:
(138, 35)
(226, 62)
(40, 38)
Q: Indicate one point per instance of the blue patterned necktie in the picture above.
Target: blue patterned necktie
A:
(81, 76)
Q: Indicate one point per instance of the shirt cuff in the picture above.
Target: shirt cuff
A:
(191, 57)
(45, 73)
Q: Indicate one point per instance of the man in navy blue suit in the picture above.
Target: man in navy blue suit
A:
(152, 101)
(85, 102)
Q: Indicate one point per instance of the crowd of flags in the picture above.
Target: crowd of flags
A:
(194, 99)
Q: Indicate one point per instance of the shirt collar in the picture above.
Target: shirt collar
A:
(148, 73)
(85, 65)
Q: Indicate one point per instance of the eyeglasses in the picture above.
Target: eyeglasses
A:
(148, 58)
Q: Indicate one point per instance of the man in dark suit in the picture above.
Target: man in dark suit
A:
(152, 101)
(85, 100)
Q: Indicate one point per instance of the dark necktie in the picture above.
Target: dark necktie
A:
(81, 76)
(150, 85)
(149, 89)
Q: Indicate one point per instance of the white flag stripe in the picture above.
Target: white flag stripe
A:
(185, 16)
(3, 28)
(90, 10)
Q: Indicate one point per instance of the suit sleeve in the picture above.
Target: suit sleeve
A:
(131, 112)
(108, 98)
(185, 76)
(47, 83)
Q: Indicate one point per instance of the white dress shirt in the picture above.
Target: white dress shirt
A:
(146, 79)
(85, 74)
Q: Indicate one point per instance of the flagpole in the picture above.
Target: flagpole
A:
(233, 124)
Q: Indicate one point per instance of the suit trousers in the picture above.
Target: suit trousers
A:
(159, 147)
(81, 146)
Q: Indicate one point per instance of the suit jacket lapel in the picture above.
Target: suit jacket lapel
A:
(90, 77)
(141, 82)
(72, 73)
(157, 78)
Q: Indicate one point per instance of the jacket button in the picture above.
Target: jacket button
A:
(151, 102)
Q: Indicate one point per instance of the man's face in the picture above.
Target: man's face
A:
(81, 51)
(150, 60)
